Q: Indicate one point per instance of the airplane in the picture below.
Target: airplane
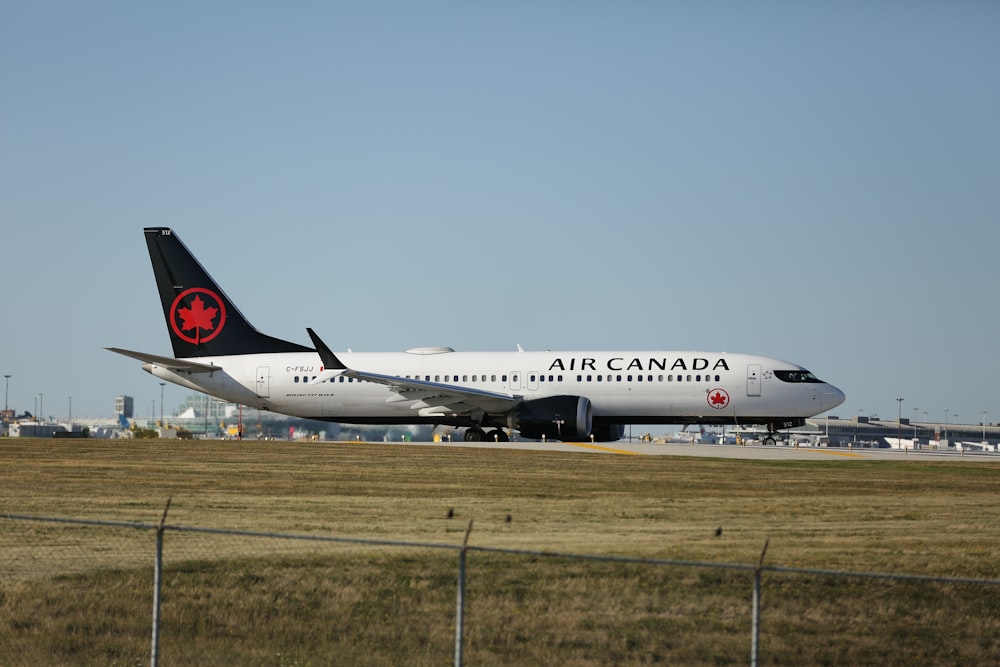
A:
(567, 396)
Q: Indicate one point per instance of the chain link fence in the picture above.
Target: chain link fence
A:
(75, 591)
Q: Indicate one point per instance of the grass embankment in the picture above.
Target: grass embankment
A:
(80, 595)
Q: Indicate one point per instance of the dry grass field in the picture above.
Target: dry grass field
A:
(82, 595)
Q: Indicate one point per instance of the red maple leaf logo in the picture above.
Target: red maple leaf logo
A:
(718, 399)
(192, 313)
(198, 317)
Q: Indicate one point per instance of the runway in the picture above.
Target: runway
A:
(747, 452)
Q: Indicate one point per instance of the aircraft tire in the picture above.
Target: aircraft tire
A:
(497, 435)
(474, 435)
(769, 442)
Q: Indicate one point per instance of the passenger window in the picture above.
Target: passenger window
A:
(638, 378)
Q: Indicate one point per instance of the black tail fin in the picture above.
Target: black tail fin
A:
(201, 320)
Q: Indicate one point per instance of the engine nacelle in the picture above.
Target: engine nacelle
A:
(555, 417)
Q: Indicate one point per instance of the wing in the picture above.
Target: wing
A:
(434, 399)
(431, 399)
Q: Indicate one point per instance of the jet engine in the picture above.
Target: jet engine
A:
(556, 417)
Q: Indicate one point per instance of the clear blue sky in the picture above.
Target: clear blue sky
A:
(818, 182)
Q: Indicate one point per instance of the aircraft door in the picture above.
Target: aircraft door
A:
(753, 379)
(532, 380)
(263, 381)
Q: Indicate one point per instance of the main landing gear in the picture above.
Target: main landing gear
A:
(476, 434)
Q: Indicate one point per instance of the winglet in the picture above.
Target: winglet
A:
(326, 355)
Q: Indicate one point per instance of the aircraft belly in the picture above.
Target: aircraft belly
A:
(359, 403)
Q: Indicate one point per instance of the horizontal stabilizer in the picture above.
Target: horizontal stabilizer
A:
(177, 365)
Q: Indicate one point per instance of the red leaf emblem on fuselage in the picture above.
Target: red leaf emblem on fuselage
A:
(196, 320)
(718, 398)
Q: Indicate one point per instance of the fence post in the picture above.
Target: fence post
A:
(460, 606)
(755, 623)
(154, 658)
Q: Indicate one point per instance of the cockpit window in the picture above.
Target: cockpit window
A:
(796, 376)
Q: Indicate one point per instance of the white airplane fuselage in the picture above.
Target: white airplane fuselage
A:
(633, 387)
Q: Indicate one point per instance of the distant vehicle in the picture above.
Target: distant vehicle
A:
(555, 395)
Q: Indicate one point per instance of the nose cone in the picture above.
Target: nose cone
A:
(830, 397)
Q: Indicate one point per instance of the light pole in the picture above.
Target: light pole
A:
(984, 428)
(161, 403)
(946, 423)
(899, 421)
(41, 406)
(6, 388)
(71, 412)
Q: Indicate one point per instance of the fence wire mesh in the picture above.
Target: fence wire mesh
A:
(81, 592)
